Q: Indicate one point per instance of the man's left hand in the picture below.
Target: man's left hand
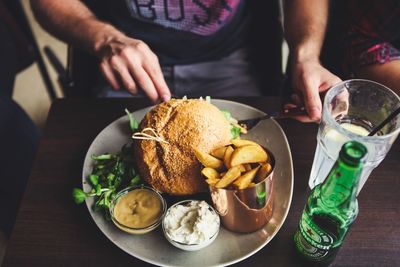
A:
(310, 80)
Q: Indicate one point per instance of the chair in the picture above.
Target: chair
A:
(23, 33)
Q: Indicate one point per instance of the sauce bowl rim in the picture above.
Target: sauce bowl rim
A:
(126, 190)
(196, 244)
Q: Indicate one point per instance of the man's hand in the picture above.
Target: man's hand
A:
(305, 25)
(310, 79)
(130, 63)
(123, 61)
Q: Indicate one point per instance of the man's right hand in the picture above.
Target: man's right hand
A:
(124, 61)
(130, 63)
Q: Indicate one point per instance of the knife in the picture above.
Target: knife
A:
(288, 113)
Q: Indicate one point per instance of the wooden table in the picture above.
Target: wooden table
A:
(53, 231)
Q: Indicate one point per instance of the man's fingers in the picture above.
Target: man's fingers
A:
(312, 100)
(297, 100)
(155, 74)
(303, 118)
(331, 81)
(121, 69)
(144, 82)
(109, 75)
(133, 65)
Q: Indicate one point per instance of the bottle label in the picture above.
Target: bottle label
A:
(311, 240)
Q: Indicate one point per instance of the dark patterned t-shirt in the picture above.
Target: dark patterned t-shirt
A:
(179, 31)
(373, 31)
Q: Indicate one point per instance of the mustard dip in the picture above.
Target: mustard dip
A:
(139, 208)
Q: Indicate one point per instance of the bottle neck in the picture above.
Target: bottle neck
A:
(341, 184)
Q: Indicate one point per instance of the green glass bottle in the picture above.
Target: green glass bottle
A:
(331, 208)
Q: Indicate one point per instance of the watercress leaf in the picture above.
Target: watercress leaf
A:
(94, 179)
(100, 166)
(78, 195)
(235, 132)
(227, 114)
(98, 189)
(102, 157)
(117, 182)
(131, 172)
(121, 168)
(133, 123)
(107, 199)
(135, 180)
(99, 204)
(110, 178)
(96, 208)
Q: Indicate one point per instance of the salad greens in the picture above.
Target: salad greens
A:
(236, 130)
(133, 123)
(111, 173)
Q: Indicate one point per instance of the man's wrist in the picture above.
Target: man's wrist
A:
(103, 34)
(304, 53)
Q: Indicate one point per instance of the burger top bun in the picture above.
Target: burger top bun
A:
(172, 167)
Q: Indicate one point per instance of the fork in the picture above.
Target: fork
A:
(250, 123)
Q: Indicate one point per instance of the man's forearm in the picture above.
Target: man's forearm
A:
(305, 25)
(72, 22)
(124, 61)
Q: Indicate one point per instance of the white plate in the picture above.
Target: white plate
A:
(229, 247)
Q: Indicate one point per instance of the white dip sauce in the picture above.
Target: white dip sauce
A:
(191, 223)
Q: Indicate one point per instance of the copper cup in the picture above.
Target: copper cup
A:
(245, 210)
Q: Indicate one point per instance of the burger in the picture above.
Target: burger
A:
(166, 160)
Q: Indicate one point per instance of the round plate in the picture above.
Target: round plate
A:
(229, 247)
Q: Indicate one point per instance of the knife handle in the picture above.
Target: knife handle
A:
(286, 113)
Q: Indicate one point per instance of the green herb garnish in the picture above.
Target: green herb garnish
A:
(111, 173)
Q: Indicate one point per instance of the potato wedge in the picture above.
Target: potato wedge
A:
(247, 166)
(231, 175)
(208, 160)
(264, 171)
(210, 173)
(252, 184)
(243, 142)
(243, 181)
(212, 182)
(222, 174)
(242, 168)
(227, 157)
(248, 154)
(219, 152)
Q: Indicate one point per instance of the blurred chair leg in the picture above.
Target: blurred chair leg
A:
(22, 20)
(65, 82)
(45, 75)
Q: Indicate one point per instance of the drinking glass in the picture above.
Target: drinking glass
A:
(351, 110)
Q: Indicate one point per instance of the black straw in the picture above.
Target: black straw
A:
(383, 123)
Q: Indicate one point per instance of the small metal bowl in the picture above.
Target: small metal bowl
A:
(142, 230)
(190, 247)
(255, 204)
